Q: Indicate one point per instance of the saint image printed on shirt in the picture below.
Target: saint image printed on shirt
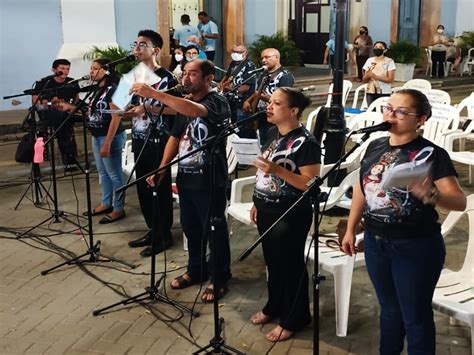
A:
(194, 137)
(391, 204)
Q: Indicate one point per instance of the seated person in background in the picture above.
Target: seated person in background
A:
(177, 62)
(193, 52)
(453, 55)
(233, 89)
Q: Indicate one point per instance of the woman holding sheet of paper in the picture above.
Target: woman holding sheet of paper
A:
(291, 157)
(403, 245)
(108, 141)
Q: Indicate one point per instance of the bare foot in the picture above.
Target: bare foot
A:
(260, 318)
(181, 282)
(279, 334)
(101, 208)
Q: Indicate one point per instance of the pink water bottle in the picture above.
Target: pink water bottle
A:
(39, 151)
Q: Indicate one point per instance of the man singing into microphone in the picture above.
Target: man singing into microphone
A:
(274, 77)
(50, 115)
(202, 116)
(146, 49)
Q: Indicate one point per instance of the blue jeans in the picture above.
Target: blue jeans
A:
(110, 170)
(404, 272)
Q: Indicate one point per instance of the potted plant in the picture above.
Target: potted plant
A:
(289, 54)
(406, 57)
(112, 53)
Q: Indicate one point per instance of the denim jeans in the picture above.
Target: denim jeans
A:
(404, 272)
(110, 170)
(194, 208)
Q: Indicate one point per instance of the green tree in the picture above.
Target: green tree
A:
(289, 54)
(112, 53)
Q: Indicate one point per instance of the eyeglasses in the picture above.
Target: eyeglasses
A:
(141, 45)
(239, 52)
(399, 114)
(268, 56)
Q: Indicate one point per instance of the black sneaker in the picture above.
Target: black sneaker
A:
(141, 242)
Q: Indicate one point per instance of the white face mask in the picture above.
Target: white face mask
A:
(188, 59)
(178, 57)
(440, 30)
(237, 57)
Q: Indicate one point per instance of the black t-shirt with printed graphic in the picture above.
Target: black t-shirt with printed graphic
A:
(239, 72)
(164, 123)
(279, 78)
(393, 211)
(296, 149)
(193, 132)
(98, 122)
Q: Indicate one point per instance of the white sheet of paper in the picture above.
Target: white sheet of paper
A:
(246, 149)
(405, 176)
(118, 112)
(140, 74)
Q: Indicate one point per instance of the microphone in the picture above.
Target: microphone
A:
(49, 77)
(128, 58)
(177, 88)
(85, 77)
(220, 69)
(263, 68)
(384, 126)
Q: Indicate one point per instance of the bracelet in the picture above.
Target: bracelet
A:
(431, 197)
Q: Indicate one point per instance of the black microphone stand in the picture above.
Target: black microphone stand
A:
(35, 184)
(314, 192)
(55, 214)
(217, 342)
(152, 292)
(93, 250)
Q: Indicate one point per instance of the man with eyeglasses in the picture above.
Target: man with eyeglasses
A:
(274, 77)
(145, 116)
(234, 88)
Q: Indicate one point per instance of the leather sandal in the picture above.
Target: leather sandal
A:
(182, 282)
(210, 292)
(94, 212)
(109, 219)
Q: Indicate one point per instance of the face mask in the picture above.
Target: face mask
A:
(362, 32)
(378, 52)
(178, 57)
(440, 30)
(188, 59)
(237, 56)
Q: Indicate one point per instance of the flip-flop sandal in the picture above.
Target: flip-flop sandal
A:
(260, 318)
(109, 219)
(210, 291)
(94, 212)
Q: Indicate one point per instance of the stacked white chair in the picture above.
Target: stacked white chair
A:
(346, 89)
(437, 96)
(454, 293)
(417, 84)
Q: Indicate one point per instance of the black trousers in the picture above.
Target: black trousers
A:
(150, 160)
(283, 250)
(360, 60)
(438, 59)
(65, 136)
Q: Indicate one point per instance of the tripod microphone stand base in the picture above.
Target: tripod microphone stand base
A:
(217, 345)
(94, 255)
(151, 294)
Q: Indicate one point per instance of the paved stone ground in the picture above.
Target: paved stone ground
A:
(52, 314)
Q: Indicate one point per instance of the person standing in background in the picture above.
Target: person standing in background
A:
(362, 44)
(209, 34)
(438, 52)
(181, 35)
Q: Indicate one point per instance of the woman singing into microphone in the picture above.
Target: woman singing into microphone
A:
(290, 160)
(403, 246)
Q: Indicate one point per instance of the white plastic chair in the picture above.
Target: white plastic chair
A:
(428, 61)
(341, 266)
(470, 60)
(377, 104)
(346, 89)
(417, 84)
(454, 295)
(444, 120)
(437, 96)
(128, 160)
(365, 119)
(357, 92)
